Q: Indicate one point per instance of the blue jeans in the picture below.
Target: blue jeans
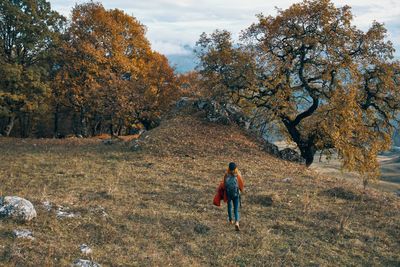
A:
(235, 208)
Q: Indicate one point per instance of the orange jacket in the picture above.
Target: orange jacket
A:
(219, 196)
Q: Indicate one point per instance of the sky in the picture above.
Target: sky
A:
(175, 25)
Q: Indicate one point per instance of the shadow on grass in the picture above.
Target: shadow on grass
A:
(263, 200)
(342, 193)
(6, 234)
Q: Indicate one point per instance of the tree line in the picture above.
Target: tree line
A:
(92, 74)
(328, 86)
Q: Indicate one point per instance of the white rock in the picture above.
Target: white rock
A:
(62, 213)
(23, 233)
(17, 208)
(85, 249)
(47, 205)
(103, 212)
(85, 263)
(287, 180)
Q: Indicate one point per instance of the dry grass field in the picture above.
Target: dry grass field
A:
(149, 203)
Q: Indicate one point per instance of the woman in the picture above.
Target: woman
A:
(233, 185)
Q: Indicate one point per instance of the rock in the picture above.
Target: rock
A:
(17, 208)
(85, 263)
(237, 115)
(223, 113)
(26, 234)
(100, 210)
(62, 213)
(79, 136)
(47, 206)
(290, 155)
(201, 104)
(184, 102)
(217, 113)
(85, 249)
(271, 149)
(287, 180)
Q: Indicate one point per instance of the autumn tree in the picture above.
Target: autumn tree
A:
(109, 73)
(330, 85)
(29, 31)
(190, 84)
(156, 90)
(225, 68)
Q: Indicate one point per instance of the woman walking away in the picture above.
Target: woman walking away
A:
(233, 185)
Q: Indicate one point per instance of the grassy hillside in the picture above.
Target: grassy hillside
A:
(152, 205)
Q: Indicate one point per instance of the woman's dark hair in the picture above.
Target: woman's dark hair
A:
(232, 166)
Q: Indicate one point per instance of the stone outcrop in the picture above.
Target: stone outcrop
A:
(290, 155)
(271, 149)
(17, 208)
(223, 113)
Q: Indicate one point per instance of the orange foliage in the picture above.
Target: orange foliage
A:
(109, 73)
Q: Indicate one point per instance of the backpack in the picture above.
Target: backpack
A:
(231, 186)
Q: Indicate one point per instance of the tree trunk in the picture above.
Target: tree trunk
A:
(83, 123)
(308, 153)
(96, 125)
(111, 130)
(56, 119)
(306, 146)
(120, 127)
(25, 124)
(9, 126)
(75, 124)
(22, 125)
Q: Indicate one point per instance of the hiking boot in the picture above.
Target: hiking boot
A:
(237, 226)
(230, 222)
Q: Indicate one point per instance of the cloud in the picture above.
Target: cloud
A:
(170, 48)
(174, 23)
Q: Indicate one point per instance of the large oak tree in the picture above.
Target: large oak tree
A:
(331, 86)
